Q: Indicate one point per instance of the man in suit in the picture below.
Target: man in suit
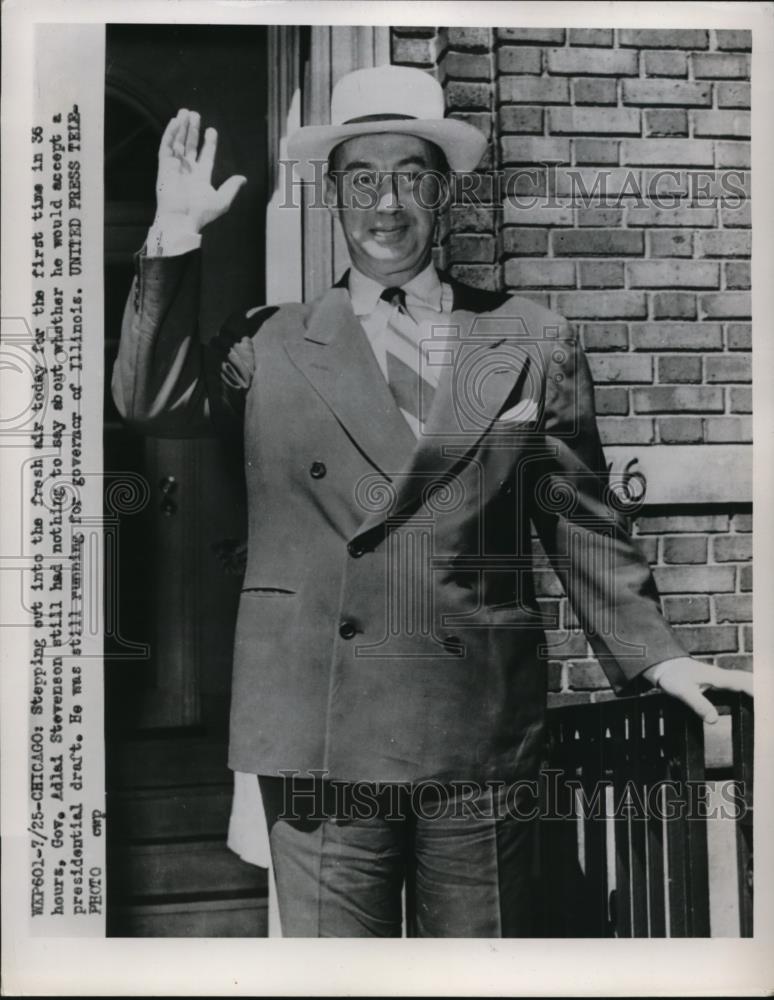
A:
(401, 433)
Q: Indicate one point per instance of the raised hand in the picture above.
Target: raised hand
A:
(184, 190)
(686, 679)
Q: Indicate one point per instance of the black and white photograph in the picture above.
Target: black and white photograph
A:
(381, 543)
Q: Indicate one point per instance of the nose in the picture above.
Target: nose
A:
(389, 197)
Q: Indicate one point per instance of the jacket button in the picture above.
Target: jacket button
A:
(356, 549)
(347, 630)
(317, 470)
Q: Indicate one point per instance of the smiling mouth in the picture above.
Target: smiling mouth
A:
(390, 235)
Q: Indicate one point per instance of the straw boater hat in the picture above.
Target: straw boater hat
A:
(390, 99)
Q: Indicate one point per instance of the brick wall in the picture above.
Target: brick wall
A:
(659, 294)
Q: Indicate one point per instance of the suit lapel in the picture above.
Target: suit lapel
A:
(335, 356)
(472, 389)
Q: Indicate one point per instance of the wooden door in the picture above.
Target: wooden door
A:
(172, 597)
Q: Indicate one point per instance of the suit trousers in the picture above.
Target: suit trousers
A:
(343, 853)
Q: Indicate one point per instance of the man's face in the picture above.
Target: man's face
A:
(386, 209)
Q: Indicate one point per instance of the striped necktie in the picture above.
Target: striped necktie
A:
(413, 393)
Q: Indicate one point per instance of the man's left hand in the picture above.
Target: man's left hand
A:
(686, 679)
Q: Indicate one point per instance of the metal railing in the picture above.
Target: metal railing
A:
(631, 792)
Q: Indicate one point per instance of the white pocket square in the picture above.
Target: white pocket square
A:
(524, 411)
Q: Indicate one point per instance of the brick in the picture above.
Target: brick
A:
(594, 121)
(537, 215)
(611, 402)
(668, 273)
(414, 51)
(733, 608)
(745, 578)
(665, 63)
(735, 662)
(726, 38)
(467, 94)
(466, 65)
(540, 273)
(563, 642)
(736, 216)
(666, 122)
(685, 548)
(680, 215)
(592, 61)
(606, 218)
(694, 579)
(678, 399)
(478, 275)
(742, 522)
(591, 36)
(674, 305)
(683, 522)
(589, 90)
(738, 274)
(671, 243)
(601, 273)
(586, 676)
(681, 93)
(524, 183)
(525, 242)
(708, 638)
(732, 368)
(740, 400)
(605, 336)
(733, 94)
(532, 36)
(521, 119)
(724, 243)
(596, 242)
(679, 368)
(473, 218)
(733, 154)
(592, 187)
(733, 124)
(716, 65)
(739, 336)
(728, 430)
(519, 59)
(523, 90)
(732, 548)
(726, 305)
(621, 368)
(469, 38)
(600, 151)
(602, 305)
(685, 610)
(680, 430)
(664, 38)
(531, 150)
(668, 152)
(423, 31)
(632, 430)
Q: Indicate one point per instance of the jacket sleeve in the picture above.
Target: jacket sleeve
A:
(607, 581)
(165, 382)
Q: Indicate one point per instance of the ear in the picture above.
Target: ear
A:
(331, 194)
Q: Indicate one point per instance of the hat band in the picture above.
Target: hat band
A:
(379, 118)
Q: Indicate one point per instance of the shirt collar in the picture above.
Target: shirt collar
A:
(424, 290)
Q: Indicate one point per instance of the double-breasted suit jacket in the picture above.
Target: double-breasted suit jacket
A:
(388, 628)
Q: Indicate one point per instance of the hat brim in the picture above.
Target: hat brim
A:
(462, 144)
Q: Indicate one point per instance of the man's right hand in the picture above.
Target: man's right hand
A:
(185, 196)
